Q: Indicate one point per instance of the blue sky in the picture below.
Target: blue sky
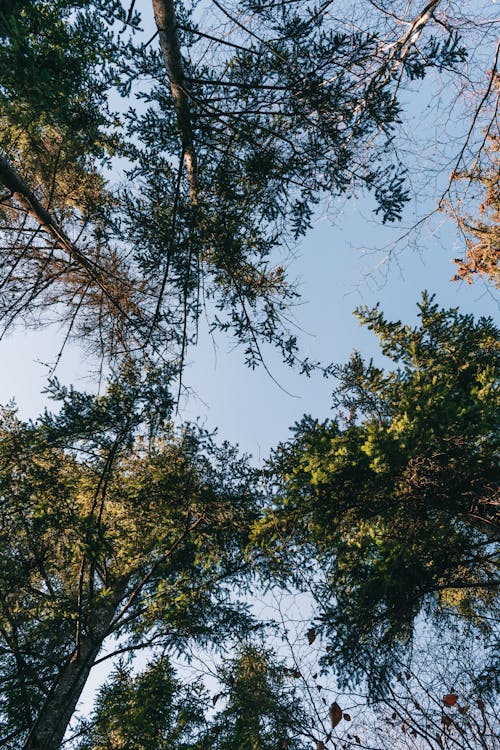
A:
(334, 277)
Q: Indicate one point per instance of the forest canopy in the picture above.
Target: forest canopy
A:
(160, 164)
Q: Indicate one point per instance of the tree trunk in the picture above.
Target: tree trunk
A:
(164, 13)
(55, 715)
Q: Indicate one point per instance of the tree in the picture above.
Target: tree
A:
(262, 711)
(225, 155)
(154, 710)
(396, 497)
(444, 693)
(119, 531)
(115, 527)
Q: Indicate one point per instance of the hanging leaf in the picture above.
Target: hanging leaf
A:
(320, 745)
(311, 635)
(335, 714)
(450, 699)
(347, 717)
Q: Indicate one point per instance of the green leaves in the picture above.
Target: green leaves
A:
(262, 711)
(152, 710)
(397, 495)
(276, 121)
(114, 524)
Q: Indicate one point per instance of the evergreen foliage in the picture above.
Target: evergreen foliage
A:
(227, 138)
(146, 180)
(397, 496)
(112, 528)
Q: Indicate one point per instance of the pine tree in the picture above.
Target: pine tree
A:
(396, 497)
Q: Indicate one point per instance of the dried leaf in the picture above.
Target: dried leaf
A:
(462, 709)
(450, 699)
(446, 721)
(311, 635)
(480, 705)
(347, 717)
(335, 714)
(320, 745)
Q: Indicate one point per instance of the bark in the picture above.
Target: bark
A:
(55, 715)
(164, 13)
(490, 527)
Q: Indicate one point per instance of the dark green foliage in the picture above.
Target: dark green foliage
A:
(262, 711)
(113, 526)
(255, 709)
(397, 495)
(152, 710)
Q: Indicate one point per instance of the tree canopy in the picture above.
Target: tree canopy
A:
(397, 496)
(159, 162)
(111, 531)
(227, 130)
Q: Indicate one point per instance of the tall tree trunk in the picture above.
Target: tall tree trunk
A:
(55, 715)
(164, 13)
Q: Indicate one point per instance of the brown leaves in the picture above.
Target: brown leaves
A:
(335, 714)
(311, 636)
(450, 699)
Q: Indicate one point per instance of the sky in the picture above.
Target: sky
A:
(334, 276)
